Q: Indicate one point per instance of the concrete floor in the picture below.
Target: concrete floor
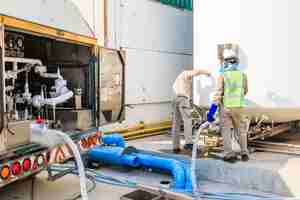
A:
(62, 189)
(266, 172)
(67, 186)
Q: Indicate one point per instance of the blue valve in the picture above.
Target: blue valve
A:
(211, 113)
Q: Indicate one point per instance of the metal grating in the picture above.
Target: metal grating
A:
(143, 195)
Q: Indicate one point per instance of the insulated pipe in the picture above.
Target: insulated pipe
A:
(49, 75)
(139, 127)
(150, 130)
(144, 135)
(42, 71)
(114, 139)
(58, 100)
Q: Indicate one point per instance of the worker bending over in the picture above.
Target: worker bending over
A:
(232, 88)
(182, 107)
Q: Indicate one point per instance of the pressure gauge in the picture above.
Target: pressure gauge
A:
(10, 43)
(20, 43)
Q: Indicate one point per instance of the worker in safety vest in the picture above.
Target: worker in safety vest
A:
(182, 107)
(232, 88)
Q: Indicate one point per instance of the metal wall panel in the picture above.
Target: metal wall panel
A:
(113, 24)
(154, 26)
(158, 42)
(59, 14)
(92, 12)
(148, 25)
(149, 76)
(148, 113)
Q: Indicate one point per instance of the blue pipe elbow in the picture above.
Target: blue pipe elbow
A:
(113, 155)
(113, 139)
(172, 166)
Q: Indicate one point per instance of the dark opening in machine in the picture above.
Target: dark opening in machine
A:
(47, 79)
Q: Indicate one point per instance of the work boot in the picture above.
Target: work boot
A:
(230, 157)
(176, 151)
(188, 147)
(244, 157)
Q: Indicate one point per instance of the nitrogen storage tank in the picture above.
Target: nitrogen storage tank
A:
(268, 35)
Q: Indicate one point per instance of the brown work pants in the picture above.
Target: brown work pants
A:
(234, 125)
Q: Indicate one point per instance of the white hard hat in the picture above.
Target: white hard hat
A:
(229, 53)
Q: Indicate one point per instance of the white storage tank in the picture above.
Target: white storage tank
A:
(268, 34)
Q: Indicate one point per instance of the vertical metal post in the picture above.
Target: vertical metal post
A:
(99, 54)
(2, 81)
(93, 78)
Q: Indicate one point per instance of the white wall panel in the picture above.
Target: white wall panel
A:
(60, 14)
(148, 25)
(114, 24)
(158, 41)
(154, 26)
(150, 75)
(148, 113)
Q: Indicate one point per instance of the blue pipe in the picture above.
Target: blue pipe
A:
(113, 155)
(113, 139)
(170, 165)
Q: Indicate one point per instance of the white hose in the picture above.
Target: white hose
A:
(80, 166)
(41, 134)
(58, 100)
(194, 159)
(49, 75)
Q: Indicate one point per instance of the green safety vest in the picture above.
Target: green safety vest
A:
(234, 92)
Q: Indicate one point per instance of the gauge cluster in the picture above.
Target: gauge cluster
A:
(14, 45)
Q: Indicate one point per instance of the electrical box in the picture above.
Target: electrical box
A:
(75, 119)
(16, 133)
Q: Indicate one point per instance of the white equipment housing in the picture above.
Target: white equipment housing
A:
(268, 34)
